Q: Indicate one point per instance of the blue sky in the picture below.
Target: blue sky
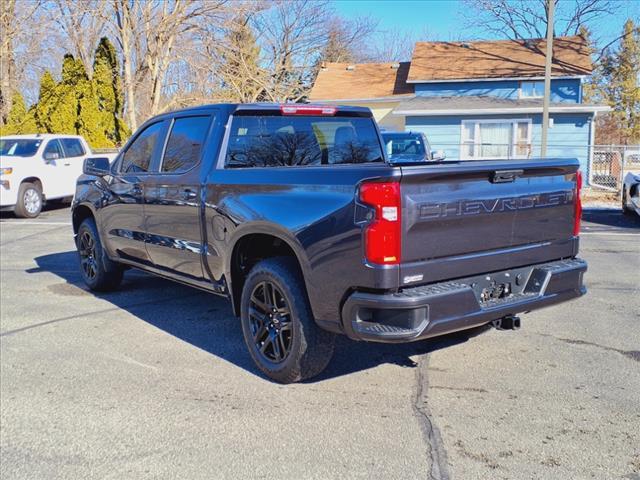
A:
(443, 19)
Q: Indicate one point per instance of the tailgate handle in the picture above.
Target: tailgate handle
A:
(505, 176)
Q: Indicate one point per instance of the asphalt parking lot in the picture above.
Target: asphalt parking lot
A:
(153, 381)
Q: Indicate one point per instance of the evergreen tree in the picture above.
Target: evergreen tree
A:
(46, 102)
(91, 122)
(621, 88)
(20, 120)
(108, 89)
(63, 107)
(627, 78)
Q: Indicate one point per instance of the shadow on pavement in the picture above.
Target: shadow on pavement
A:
(610, 218)
(51, 206)
(186, 313)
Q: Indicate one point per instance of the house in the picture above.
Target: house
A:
(476, 99)
(378, 86)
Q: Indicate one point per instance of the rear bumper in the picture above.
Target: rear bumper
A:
(431, 310)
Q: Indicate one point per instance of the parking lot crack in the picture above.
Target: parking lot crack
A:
(439, 469)
(632, 354)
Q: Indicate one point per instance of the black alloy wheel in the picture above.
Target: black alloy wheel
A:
(97, 270)
(270, 320)
(87, 251)
(278, 326)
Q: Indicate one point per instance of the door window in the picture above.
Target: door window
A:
(72, 147)
(53, 150)
(185, 144)
(137, 158)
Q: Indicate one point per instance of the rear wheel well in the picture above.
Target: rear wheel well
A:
(248, 251)
(80, 214)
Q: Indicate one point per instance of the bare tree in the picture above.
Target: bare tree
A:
(393, 46)
(347, 40)
(521, 19)
(83, 23)
(149, 33)
(292, 35)
(124, 24)
(17, 47)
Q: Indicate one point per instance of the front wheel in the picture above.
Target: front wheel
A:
(278, 325)
(29, 204)
(98, 272)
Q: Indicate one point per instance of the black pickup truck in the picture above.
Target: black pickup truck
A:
(295, 213)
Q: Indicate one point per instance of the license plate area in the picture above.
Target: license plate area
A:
(497, 286)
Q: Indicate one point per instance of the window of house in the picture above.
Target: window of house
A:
(487, 139)
(185, 144)
(137, 158)
(72, 147)
(532, 89)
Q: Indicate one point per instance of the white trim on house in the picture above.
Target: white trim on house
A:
(492, 79)
(577, 108)
(478, 144)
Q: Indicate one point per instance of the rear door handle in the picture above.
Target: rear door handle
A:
(189, 194)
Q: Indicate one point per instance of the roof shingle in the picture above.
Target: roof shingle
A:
(434, 61)
(361, 81)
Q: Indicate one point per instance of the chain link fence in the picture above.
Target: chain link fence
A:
(608, 165)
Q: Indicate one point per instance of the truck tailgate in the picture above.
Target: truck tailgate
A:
(476, 217)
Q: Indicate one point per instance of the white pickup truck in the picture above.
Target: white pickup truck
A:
(36, 168)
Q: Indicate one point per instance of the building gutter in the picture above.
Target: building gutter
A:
(500, 79)
(501, 111)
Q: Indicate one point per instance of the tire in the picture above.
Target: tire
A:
(626, 210)
(98, 272)
(305, 349)
(29, 204)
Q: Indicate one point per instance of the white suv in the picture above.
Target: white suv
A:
(38, 167)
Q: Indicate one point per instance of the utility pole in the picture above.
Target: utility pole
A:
(547, 77)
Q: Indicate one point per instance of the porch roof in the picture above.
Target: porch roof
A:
(485, 105)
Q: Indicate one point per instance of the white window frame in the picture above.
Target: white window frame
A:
(530, 81)
(476, 135)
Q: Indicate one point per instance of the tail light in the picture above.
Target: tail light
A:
(578, 205)
(383, 234)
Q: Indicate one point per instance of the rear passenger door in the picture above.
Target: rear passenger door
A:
(172, 198)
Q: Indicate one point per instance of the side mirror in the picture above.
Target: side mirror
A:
(98, 166)
(51, 156)
(438, 155)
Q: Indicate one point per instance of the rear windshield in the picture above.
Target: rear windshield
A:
(283, 141)
(405, 147)
(13, 147)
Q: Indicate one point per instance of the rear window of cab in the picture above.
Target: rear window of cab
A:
(286, 141)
